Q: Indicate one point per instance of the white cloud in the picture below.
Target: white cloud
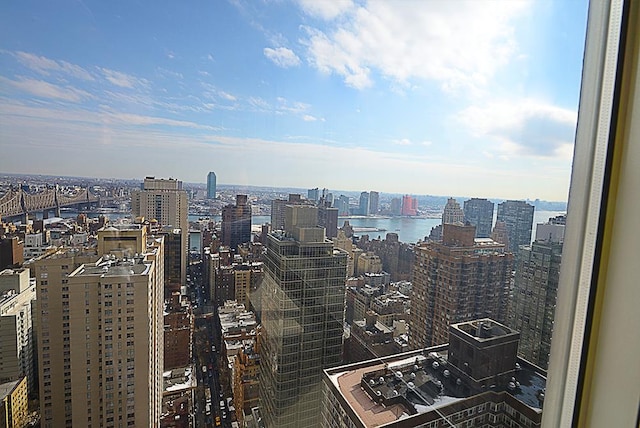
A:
(45, 65)
(227, 96)
(122, 79)
(458, 44)
(141, 120)
(402, 142)
(326, 9)
(524, 127)
(309, 118)
(282, 57)
(42, 89)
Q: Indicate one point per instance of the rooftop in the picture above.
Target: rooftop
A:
(7, 388)
(384, 390)
(118, 267)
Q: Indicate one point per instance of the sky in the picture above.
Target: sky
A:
(475, 98)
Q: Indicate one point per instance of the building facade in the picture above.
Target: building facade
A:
(236, 223)
(456, 280)
(533, 301)
(518, 218)
(100, 338)
(479, 212)
(302, 318)
(211, 185)
(17, 335)
(364, 203)
(409, 205)
(452, 213)
(166, 201)
(14, 404)
(374, 202)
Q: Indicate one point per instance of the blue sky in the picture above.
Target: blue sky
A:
(474, 98)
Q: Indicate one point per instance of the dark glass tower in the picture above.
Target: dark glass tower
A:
(302, 317)
(236, 223)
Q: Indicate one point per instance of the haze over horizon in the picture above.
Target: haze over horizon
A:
(429, 98)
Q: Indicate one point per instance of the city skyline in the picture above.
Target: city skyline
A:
(274, 93)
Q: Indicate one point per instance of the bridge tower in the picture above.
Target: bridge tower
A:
(56, 201)
(23, 204)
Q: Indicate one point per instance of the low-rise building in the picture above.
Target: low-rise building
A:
(13, 404)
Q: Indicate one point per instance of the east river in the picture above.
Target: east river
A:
(409, 229)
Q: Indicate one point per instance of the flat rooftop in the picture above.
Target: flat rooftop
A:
(385, 390)
(114, 268)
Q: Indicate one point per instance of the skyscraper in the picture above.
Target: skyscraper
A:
(409, 205)
(374, 202)
(518, 217)
(211, 185)
(17, 305)
(236, 223)
(343, 205)
(396, 206)
(533, 301)
(452, 213)
(278, 209)
(302, 316)
(166, 201)
(479, 212)
(364, 203)
(313, 194)
(100, 337)
(328, 218)
(456, 280)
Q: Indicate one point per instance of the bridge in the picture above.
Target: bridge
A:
(17, 203)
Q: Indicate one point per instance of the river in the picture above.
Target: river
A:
(409, 229)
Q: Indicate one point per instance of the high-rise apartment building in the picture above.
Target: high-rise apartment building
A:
(236, 223)
(100, 337)
(328, 218)
(452, 213)
(211, 185)
(396, 206)
(518, 217)
(479, 212)
(17, 307)
(533, 301)
(166, 201)
(456, 280)
(313, 194)
(343, 205)
(278, 209)
(302, 316)
(374, 202)
(409, 205)
(364, 203)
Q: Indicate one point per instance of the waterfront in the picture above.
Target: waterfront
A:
(409, 229)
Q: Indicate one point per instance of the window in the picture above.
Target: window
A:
(411, 97)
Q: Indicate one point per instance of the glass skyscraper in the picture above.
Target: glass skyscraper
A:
(211, 185)
(302, 316)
